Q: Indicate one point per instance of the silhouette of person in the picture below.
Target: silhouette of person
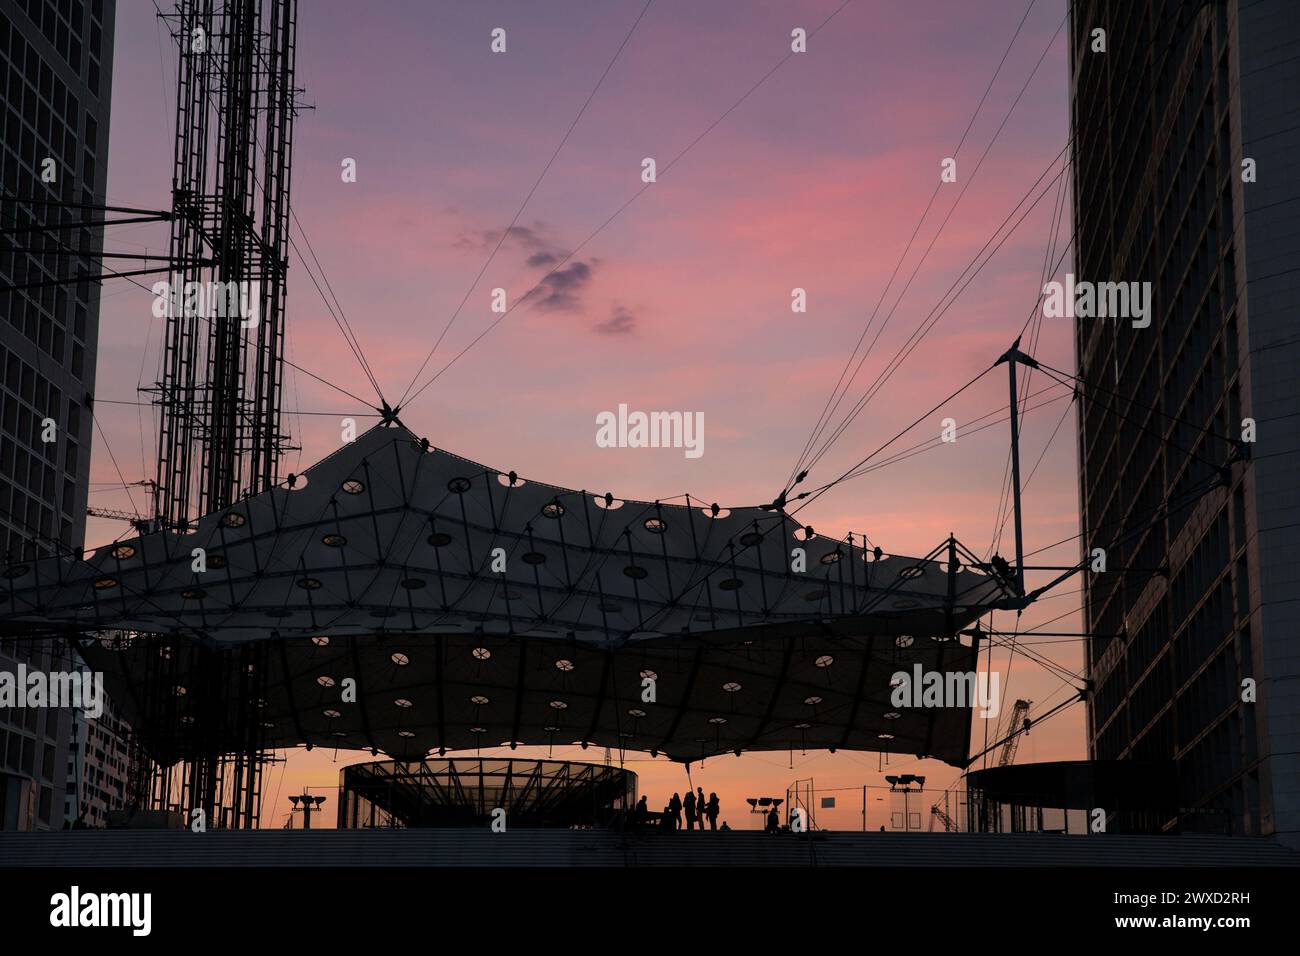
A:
(773, 821)
(641, 814)
(700, 806)
(724, 826)
(691, 815)
(675, 812)
(666, 821)
(712, 809)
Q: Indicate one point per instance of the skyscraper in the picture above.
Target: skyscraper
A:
(1186, 128)
(55, 74)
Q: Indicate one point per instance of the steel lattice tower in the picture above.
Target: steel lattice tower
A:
(220, 435)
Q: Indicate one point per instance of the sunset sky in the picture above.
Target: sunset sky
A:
(683, 301)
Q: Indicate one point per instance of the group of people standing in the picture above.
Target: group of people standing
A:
(695, 808)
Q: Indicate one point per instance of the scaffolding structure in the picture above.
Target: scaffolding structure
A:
(220, 436)
(209, 754)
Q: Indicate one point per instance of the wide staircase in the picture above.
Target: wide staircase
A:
(481, 847)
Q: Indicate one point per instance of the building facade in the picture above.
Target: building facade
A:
(55, 76)
(1186, 129)
(99, 767)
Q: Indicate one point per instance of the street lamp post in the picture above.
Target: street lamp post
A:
(307, 805)
(903, 784)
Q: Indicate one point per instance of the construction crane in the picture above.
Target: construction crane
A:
(1017, 722)
(139, 522)
(948, 825)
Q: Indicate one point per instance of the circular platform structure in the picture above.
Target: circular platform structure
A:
(464, 792)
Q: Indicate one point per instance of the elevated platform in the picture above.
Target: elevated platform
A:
(525, 848)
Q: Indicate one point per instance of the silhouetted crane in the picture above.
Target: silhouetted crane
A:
(948, 825)
(1017, 722)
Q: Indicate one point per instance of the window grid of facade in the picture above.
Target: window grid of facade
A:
(1157, 198)
(55, 75)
